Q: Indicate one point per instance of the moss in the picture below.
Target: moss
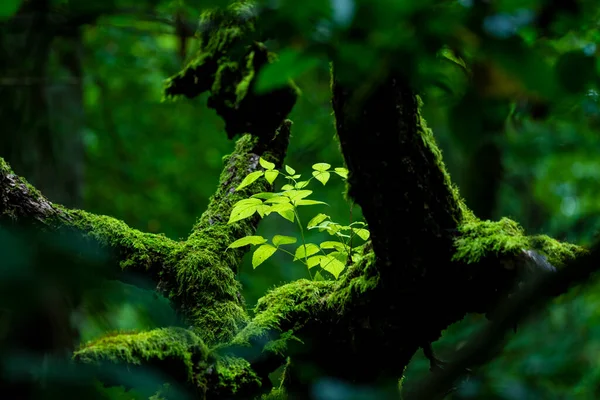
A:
(177, 346)
(20, 199)
(236, 377)
(360, 278)
(227, 65)
(206, 288)
(285, 309)
(430, 144)
(207, 292)
(275, 394)
(180, 354)
(137, 249)
(481, 239)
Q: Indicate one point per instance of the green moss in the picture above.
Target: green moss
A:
(285, 309)
(481, 239)
(227, 65)
(360, 278)
(18, 191)
(429, 141)
(138, 249)
(156, 346)
(236, 376)
(206, 287)
(275, 394)
(558, 253)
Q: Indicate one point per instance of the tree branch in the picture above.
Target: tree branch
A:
(488, 343)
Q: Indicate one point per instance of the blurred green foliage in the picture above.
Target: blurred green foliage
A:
(533, 96)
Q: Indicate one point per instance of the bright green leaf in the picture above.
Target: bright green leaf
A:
(331, 227)
(278, 200)
(362, 233)
(321, 176)
(278, 240)
(246, 241)
(330, 244)
(321, 166)
(314, 261)
(305, 251)
(290, 170)
(249, 179)
(295, 195)
(304, 202)
(265, 164)
(358, 223)
(270, 175)
(316, 220)
(244, 209)
(263, 210)
(287, 187)
(301, 184)
(343, 172)
(333, 265)
(286, 210)
(264, 195)
(262, 253)
(318, 277)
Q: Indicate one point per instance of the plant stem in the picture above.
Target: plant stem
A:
(303, 240)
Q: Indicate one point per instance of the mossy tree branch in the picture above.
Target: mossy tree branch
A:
(197, 275)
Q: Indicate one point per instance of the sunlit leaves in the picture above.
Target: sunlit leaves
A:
(334, 263)
(278, 199)
(286, 210)
(249, 179)
(316, 220)
(329, 244)
(343, 172)
(301, 184)
(278, 240)
(285, 203)
(296, 195)
(362, 233)
(321, 166)
(266, 164)
(321, 176)
(246, 241)
(244, 209)
(308, 202)
(262, 253)
(271, 175)
(305, 251)
(313, 261)
(320, 172)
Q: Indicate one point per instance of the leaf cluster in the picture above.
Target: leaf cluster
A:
(331, 256)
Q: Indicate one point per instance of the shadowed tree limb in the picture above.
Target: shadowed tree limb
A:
(487, 343)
